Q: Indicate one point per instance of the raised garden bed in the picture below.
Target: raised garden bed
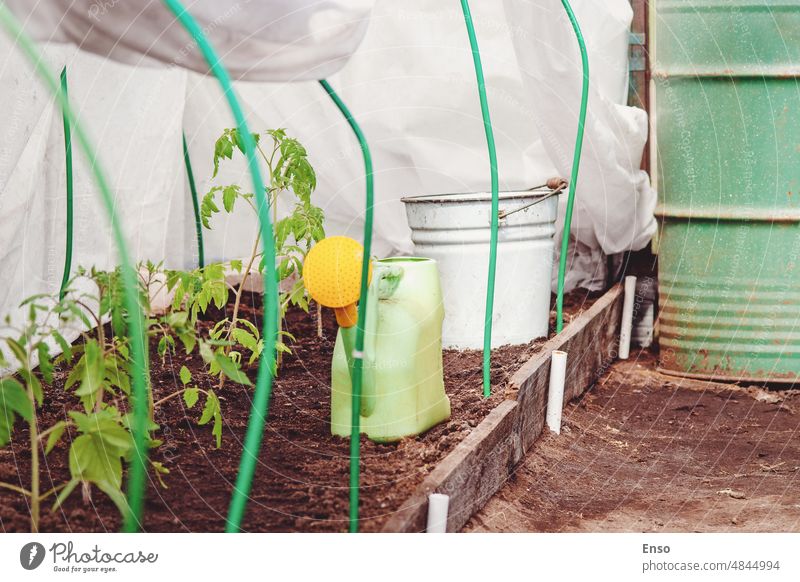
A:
(301, 482)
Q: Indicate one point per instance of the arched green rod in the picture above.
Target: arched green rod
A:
(198, 224)
(358, 363)
(263, 391)
(138, 468)
(487, 126)
(576, 162)
(68, 163)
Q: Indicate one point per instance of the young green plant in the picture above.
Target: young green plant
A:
(96, 454)
(288, 170)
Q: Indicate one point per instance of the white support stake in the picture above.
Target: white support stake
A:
(627, 318)
(438, 504)
(555, 393)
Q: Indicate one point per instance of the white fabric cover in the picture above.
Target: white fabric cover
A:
(410, 84)
(266, 40)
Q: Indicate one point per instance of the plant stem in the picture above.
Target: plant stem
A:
(101, 338)
(43, 434)
(34, 437)
(20, 490)
(238, 302)
(240, 290)
(52, 491)
(319, 320)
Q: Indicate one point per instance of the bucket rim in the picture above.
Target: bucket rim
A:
(412, 259)
(457, 197)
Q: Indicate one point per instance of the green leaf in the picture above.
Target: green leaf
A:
(208, 207)
(223, 148)
(217, 430)
(186, 375)
(66, 349)
(18, 351)
(55, 435)
(45, 361)
(75, 374)
(13, 401)
(106, 426)
(160, 470)
(213, 411)
(162, 346)
(177, 319)
(190, 396)
(231, 370)
(96, 456)
(206, 352)
(33, 383)
(90, 460)
(94, 372)
(117, 374)
(76, 311)
(237, 138)
(115, 493)
(229, 195)
(249, 325)
(245, 338)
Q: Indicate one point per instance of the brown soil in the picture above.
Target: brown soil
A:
(643, 451)
(301, 480)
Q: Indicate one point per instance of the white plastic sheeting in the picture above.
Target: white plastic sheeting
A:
(410, 84)
(615, 202)
(273, 40)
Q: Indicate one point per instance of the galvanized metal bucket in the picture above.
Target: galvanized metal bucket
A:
(455, 231)
(727, 121)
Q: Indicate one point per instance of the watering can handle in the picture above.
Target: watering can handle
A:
(368, 390)
(369, 393)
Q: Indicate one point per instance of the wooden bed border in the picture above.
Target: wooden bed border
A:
(477, 468)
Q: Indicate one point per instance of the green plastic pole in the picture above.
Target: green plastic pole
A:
(68, 160)
(198, 224)
(138, 467)
(576, 162)
(487, 126)
(263, 391)
(358, 363)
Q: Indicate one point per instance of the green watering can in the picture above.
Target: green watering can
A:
(403, 386)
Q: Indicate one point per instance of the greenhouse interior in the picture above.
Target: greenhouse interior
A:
(422, 266)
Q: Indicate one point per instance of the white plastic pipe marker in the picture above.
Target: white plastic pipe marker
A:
(627, 318)
(555, 394)
(438, 504)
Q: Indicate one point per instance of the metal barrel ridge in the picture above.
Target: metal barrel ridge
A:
(727, 125)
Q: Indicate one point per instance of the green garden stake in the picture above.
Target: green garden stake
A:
(355, 434)
(138, 468)
(487, 126)
(68, 160)
(263, 392)
(576, 162)
(198, 223)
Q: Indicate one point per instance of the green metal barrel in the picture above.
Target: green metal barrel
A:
(727, 128)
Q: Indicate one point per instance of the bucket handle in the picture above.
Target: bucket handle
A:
(556, 184)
